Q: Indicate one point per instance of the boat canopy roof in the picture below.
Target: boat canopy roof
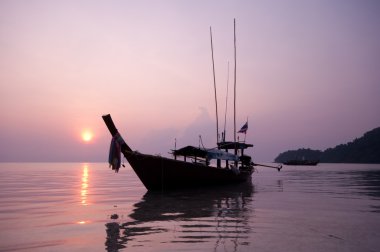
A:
(191, 151)
(231, 145)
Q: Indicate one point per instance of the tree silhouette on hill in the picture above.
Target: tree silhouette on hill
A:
(365, 149)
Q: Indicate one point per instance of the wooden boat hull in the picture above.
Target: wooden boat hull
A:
(160, 173)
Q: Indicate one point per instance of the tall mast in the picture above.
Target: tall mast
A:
(235, 87)
(225, 112)
(216, 102)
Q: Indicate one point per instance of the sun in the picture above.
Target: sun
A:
(87, 136)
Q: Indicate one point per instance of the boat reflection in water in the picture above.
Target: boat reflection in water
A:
(216, 217)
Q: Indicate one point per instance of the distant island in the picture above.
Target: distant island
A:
(365, 149)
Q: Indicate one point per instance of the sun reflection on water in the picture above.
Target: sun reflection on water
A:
(84, 186)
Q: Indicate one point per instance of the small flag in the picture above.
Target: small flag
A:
(244, 128)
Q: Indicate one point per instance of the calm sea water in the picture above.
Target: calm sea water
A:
(87, 207)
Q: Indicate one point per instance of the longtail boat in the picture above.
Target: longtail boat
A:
(199, 166)
(162, 173)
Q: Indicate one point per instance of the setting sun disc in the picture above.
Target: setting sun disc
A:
(87, 136)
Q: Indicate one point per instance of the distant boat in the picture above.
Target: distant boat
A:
(196, 168)
(301, 162)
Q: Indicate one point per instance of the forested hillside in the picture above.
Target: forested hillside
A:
(365, 149)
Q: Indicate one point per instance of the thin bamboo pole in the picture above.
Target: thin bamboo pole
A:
(235, 87)
(216, 102)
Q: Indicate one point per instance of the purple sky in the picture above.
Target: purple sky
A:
(308, 74)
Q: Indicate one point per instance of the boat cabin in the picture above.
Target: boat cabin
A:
(201, 155)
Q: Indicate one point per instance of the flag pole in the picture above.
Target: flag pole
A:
(245, 133)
